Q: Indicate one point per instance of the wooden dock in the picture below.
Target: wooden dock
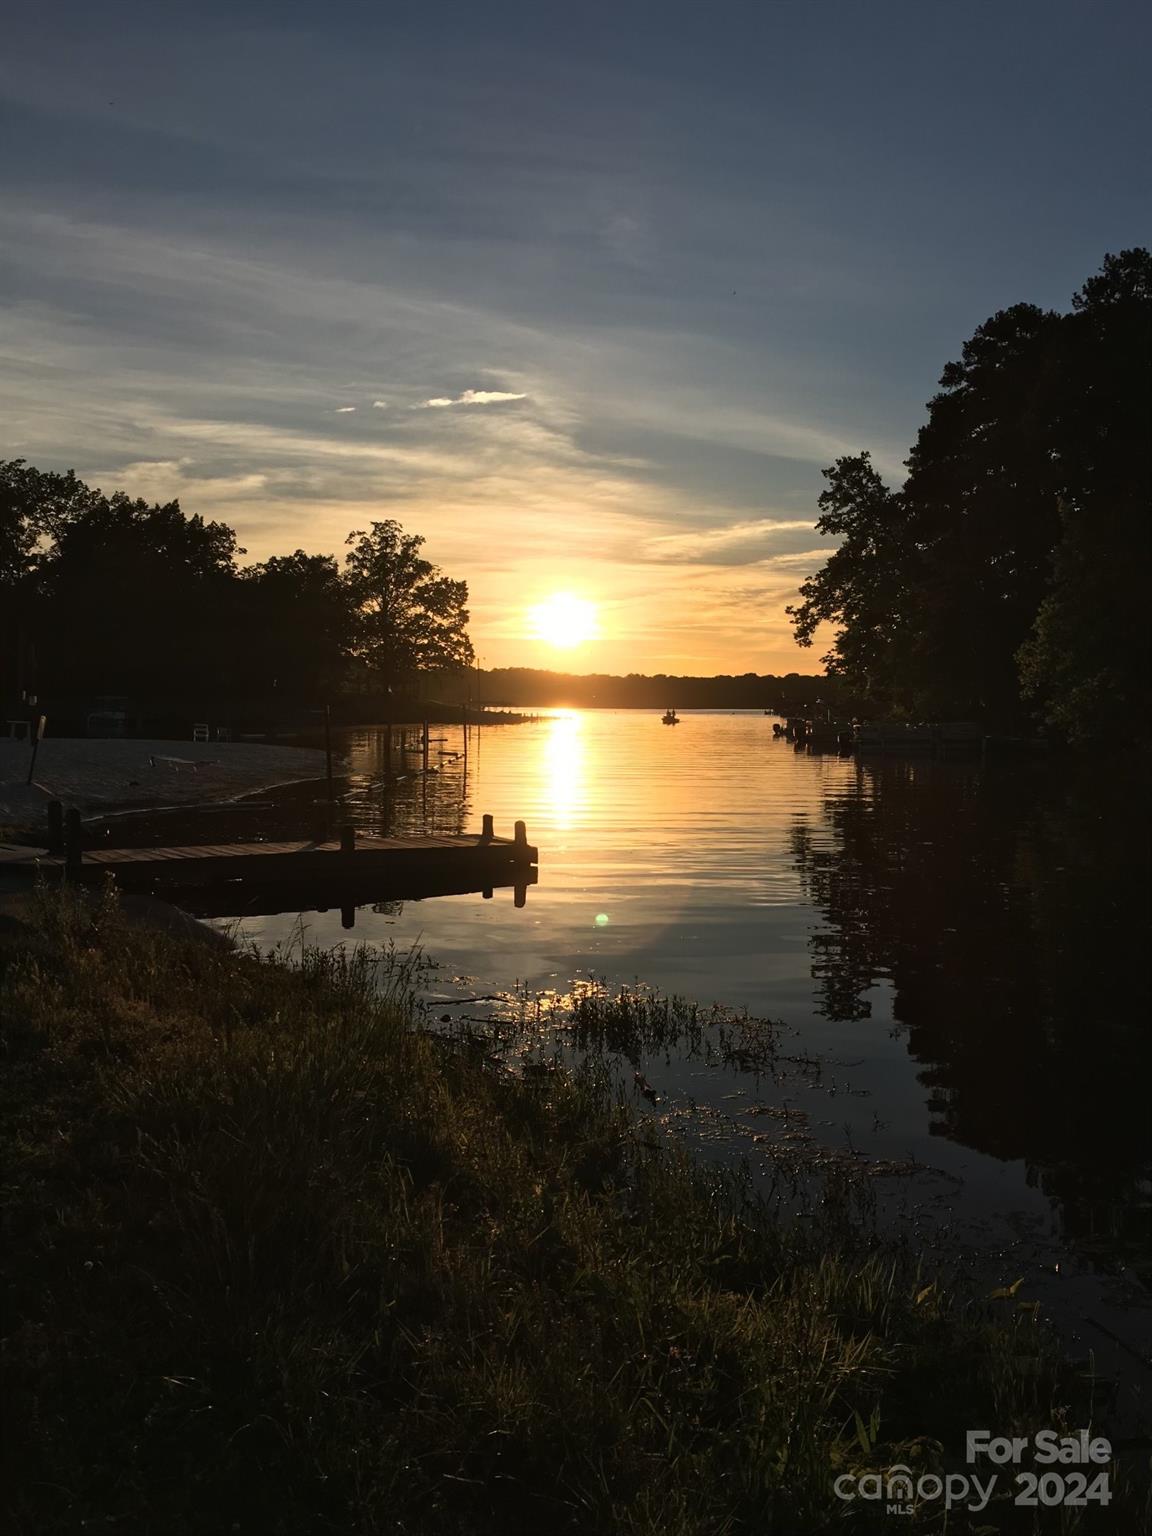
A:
(336, 872)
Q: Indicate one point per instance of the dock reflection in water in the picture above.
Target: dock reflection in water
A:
(958, 942)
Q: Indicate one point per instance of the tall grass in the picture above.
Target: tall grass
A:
(281, 1262)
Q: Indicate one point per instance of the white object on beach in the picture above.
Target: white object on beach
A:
(156, 760)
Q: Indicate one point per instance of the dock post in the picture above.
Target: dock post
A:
(425, 746)
(347, 917)
(388, 750)
(347, 838)
(73, 843)
(487, 833)
(328, 748)
(55, 827)
(520, 836)
(520, 896)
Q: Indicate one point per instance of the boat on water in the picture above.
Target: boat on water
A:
(669, 717)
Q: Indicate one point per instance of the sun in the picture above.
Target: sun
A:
(563, 620)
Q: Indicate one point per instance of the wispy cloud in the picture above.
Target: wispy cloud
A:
(345, 410)
(472, 397)
(379, 405)
(718, 545)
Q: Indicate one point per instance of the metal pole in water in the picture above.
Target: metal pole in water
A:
(328, 748)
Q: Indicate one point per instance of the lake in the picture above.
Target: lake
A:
(955, 951)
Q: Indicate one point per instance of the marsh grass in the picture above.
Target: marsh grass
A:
(280, 1261)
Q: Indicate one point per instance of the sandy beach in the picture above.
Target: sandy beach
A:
(101, 775)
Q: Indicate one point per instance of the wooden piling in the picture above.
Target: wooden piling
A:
(55, 827)
(73, 843)
(347, 838)
(487, 828)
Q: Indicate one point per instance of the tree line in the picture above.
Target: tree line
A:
(1007, 578)
(111, 596)
(793, 693)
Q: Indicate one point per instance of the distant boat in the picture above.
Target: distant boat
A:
(669, 717)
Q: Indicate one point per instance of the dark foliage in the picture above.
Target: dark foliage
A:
(1007, 575)
(119, 598)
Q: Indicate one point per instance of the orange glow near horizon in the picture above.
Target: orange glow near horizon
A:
(563, 621)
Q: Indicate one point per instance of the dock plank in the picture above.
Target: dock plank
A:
(294, 860)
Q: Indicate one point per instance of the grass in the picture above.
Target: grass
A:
(279, 1261)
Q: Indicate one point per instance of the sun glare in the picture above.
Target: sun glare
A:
(563, 620)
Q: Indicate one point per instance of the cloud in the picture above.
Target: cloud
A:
(472, 397)
(379, 405)
(344, 410)
(737, 543)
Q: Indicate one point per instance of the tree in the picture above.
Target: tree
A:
(409, 617)
(949, 595)
(298, 621)
(863, 586)
(34, 505)
(981, 492)
(1086, 662)
(137, 599)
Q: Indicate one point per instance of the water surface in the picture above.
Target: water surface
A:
(958, 944)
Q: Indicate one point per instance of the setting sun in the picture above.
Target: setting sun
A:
(563, 620)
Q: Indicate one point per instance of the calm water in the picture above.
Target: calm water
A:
(959, 945)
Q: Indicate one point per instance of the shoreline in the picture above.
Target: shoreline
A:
(100, 777)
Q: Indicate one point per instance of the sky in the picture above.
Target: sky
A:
(587, 296)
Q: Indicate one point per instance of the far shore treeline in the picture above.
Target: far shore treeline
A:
(795, 692)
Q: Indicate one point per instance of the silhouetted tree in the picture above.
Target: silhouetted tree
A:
(410, 617)
(298, 622)
(137, 599)
(864, 587)
(1087, 661)
(981, 498)
(1016, 553)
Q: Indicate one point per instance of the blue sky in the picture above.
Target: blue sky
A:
(660, 264)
